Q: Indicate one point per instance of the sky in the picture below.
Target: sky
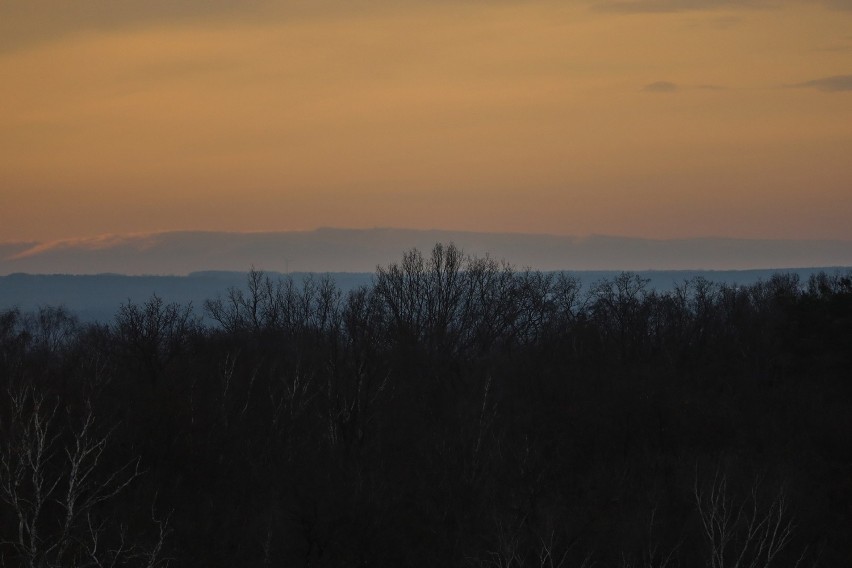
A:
(646, 118)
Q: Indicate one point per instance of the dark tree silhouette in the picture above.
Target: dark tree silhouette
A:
(455, 412)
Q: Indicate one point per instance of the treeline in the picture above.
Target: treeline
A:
(456, 412)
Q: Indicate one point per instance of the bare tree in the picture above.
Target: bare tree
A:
(511, 549)
(55, 481)
(154, 332)
(51, 328)
(744, 532)
(653, 556)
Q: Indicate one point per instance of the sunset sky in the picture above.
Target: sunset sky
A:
(650, 118)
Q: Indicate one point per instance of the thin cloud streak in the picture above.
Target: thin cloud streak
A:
(660, 87)
(26, 23)
(839, 4)
(139, 241)
(662, 6)
(668, 6)
(833, 84)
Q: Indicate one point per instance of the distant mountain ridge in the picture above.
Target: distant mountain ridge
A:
(361, 250)
(97, 297)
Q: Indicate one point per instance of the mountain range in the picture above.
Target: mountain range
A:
(361, 250)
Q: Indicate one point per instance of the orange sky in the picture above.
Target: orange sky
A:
(653, 118)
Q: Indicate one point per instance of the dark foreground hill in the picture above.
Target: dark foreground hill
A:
(452, 413)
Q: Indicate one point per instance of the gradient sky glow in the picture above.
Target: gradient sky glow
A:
(652, 118)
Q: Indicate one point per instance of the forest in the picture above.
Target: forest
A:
(456, 411)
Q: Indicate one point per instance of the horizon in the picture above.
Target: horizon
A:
(360, 250)
(100, 237)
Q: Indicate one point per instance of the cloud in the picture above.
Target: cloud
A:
(27, 23)
(639, 6)
(660, 87)
(140, 241)
(833, 84)
(645, 6)
(24, 23)
(839, 4)
(835, 48)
